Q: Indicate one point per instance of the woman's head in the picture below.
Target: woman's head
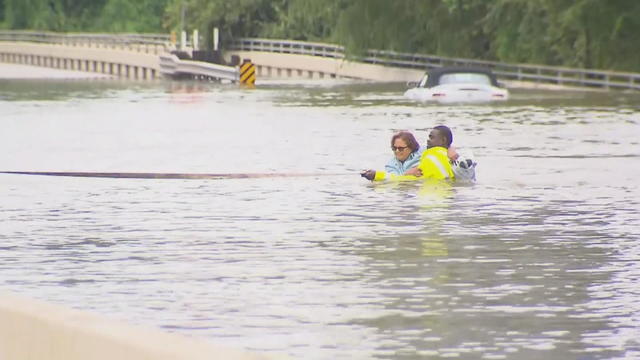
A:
(403, 144)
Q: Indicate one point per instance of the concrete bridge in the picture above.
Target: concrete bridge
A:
(116, 62)
(149, 57)
(286, 66)
(304, 60)
(129, 56)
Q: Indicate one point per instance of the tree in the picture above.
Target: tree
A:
(520, 31)
(26, 14)
(140, 16)
(1, 13)
(580, 33)
(624, 41)
(240, 18)
(310, 20)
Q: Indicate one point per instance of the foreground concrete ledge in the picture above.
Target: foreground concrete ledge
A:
(35, 330)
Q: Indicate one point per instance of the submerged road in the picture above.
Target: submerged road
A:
(538, 259)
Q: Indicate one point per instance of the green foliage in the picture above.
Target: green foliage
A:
(624, 40)
(233, 18)
(583, 33)
(27, 14)
(85, 15)
(309, 20)
(519, 30)
(2, 21)
(77, 15)
(140, 16)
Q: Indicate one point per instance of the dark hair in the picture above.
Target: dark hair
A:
(446, 132)
(408, 137)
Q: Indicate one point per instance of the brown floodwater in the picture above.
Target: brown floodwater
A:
(538, 259)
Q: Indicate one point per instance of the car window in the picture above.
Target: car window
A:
(465, 78)
(423, 82)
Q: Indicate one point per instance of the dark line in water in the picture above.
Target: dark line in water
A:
(133, 175)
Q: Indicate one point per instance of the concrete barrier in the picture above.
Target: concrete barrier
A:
(34, 330)
(282, 66)
(171, 65)
(118, 62)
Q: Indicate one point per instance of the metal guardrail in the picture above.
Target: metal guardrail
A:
(522, 72)
(289, 47)
(172, 66)
(160, 43)
(147, 43)
(157, 44)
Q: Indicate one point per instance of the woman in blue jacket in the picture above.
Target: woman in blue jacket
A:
(406, 151)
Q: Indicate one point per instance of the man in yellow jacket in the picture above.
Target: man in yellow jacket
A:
(434, 161)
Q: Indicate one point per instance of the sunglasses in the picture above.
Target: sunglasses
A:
(398, 148)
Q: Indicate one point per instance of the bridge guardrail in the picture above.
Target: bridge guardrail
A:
(160, 43)
(172, 66)
(148, 43)
(157, 44)
(289, 47)
(523, 72)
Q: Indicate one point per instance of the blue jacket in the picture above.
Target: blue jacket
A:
(397, 168)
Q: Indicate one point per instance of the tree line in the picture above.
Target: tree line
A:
(598, 34)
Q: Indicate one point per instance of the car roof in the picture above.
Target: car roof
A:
(436, 73)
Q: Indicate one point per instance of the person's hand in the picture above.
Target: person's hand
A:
(452, 153)
(368, 174)
(414, 171)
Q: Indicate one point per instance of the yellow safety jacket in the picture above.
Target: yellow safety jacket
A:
(434, 164)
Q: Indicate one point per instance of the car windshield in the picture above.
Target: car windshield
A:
(423, 82)
(465, 78)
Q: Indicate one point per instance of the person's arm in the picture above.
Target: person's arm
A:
(368, 174)
(414, 171)
(374, 175)
(417, 170)
(391, 169)
(412, 163)
(452, 153)
(435, 164)
(384, 176)
(394, 171)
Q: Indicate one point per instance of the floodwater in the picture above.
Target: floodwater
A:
(538, 259)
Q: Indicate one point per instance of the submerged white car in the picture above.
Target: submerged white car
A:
(458, 84)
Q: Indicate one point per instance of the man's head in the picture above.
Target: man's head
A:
(440, 136)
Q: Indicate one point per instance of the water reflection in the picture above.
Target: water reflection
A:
(481, 281)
